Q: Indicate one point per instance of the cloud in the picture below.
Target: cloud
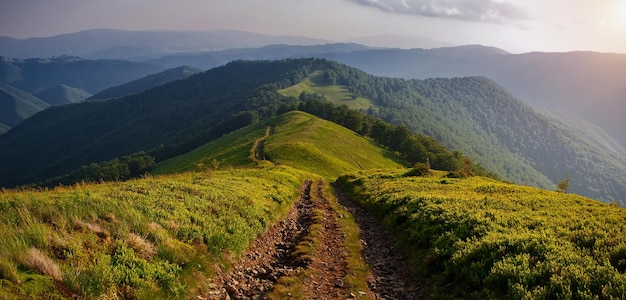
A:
(489, 11)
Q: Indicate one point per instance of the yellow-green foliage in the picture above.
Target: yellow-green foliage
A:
(337, 94)
(321, 147)
(152, 236)
(300, 140)
(232, 149)
(489, 239)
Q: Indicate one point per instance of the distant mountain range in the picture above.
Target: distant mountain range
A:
(122, 44)
(35, 75)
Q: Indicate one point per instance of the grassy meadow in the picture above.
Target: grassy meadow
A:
(337, 94)
(298, 139)
(152, 236)
(322, 147)
(479, 238)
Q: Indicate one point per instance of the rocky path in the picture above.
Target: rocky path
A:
(312, 225)
(390, 275)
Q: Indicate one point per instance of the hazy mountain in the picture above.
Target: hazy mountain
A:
(17, 105)
(62, 94)
(147, 82)
(35, 75)
(399, 41)
(473, 115)
(4, 128)
(212, 59)
(587, 130)
(121, 44)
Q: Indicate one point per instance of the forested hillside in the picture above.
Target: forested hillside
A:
(473, 115)
(147, 82)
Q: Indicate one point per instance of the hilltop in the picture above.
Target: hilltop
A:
(294, 139)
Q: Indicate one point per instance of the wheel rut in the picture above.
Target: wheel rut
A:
(390, 274)
(308, 248)
(270, 257)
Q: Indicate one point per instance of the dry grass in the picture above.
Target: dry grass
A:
(95, 228)
(38, 261)
(143, 248)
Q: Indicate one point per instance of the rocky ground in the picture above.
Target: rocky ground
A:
(273, 255)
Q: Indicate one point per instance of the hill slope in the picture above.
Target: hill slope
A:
(62, 94)
(17, 105)
(147, 82)
(295, 139)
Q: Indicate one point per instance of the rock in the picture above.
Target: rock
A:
(339, 283)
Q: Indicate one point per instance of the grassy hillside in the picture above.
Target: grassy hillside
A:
(323, 147)
(152, 237)
(316, 83)
(479, 238)
(298, 139)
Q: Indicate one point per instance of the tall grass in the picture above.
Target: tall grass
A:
(153, 236)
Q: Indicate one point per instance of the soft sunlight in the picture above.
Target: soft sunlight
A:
(620, 13)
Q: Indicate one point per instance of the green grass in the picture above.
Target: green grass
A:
(156, 236)
(480, 238)
(322, 147)
(336, 94)
(232, 149)
(300, 140)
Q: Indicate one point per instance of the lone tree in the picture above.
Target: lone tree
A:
(563, 185)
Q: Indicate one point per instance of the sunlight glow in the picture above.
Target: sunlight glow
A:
(620, 13)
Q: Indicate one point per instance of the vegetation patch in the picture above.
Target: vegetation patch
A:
(479, 238)
(324, 84)
(156, 236)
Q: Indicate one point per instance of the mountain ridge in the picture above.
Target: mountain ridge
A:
(145, 83)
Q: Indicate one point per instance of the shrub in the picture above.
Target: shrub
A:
(143, 248)
(420, 169)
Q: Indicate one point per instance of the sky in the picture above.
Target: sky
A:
(513, 25)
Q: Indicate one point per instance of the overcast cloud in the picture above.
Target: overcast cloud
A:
(468, 10)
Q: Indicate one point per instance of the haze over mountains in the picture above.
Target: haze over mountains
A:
(582, 135)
